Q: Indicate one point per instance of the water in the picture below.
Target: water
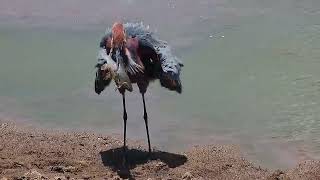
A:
(250, 78)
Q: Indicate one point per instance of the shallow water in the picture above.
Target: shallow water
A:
(251, 72)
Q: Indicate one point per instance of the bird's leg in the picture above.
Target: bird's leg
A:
(125, 124)
(145, 117)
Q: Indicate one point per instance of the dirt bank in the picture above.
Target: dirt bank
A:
(30, 153)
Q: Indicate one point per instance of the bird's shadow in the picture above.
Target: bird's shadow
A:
(113, 158)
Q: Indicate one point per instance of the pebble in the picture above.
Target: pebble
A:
(63, 169)
(116, 178)
(33, 174)
(3, 125)
(83, 163)
(60, 178)
(86, 177)
(160, 165)
(187, 176)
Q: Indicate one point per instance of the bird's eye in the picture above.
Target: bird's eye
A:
(113, 55)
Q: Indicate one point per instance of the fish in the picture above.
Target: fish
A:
(119, 76)
(114, 70)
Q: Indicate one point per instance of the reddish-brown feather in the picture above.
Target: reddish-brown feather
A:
(132, 44)
(118, 35)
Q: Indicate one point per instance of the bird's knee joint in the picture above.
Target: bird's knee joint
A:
(125, 116)
(143, 91)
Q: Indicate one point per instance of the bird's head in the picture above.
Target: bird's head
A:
(110, 56)
(118, 37)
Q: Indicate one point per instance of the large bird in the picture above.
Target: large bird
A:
(129, 53)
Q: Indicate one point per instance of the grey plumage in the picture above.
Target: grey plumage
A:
(140, 49)
(169, 62)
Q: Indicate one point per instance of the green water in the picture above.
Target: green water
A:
(251, 77)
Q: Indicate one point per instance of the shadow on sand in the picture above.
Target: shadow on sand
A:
(114, 158)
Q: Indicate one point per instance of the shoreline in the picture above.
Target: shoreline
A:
(36, 153)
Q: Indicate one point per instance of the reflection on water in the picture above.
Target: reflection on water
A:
(251, 72)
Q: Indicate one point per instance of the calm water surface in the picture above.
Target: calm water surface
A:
(251, 73)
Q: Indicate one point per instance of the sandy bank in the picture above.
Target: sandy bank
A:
(29, 153)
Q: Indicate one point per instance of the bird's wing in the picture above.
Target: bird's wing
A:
(160, 51)
(135, 64)
(170, 64)
(171, 67)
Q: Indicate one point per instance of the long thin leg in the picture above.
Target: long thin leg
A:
(145, 117)
(125, 122)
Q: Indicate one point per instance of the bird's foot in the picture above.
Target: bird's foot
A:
(149, 154)
(124, 161)
(124, 157)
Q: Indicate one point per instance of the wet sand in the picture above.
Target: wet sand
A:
(27, 152)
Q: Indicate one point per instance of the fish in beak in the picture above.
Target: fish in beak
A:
(121, 77)
(119, 63)
(105, 64)
(110, 69)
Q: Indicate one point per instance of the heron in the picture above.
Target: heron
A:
(129, 53)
